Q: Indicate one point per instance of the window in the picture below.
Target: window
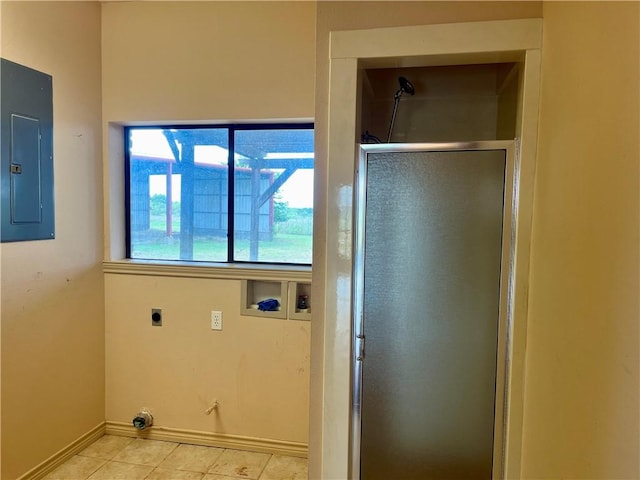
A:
(238, 193)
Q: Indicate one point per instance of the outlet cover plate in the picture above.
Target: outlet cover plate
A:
(216, 320)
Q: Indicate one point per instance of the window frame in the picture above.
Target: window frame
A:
(231, 128)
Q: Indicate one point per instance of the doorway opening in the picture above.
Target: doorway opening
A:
(421, 378)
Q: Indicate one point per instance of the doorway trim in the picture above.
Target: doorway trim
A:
(445, 44)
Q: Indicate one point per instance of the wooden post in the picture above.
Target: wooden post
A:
(186, 202)
(169, 199)
(254, 233)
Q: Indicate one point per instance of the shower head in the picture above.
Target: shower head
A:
(406, 86)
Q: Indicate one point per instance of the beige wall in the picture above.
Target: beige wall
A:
(582, 393)
(52, 291)
(189, 61)
(449, 104)
(218, 61)
(256, 368)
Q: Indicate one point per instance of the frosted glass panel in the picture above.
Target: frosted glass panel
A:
(433, 227)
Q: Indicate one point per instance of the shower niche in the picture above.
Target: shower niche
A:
(452, 103)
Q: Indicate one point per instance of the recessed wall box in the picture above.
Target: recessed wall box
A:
(255, 291)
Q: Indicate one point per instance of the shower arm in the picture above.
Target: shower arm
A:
(405, 87)
(396, 99)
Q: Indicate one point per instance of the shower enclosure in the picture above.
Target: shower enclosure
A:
(432, 263)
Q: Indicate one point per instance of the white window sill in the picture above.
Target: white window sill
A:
(208, 270)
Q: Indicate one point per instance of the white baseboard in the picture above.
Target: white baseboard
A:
(65, 454)
(209, 439)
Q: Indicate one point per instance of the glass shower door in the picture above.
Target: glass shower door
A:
(431, 225)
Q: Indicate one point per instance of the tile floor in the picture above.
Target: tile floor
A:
(121, 458)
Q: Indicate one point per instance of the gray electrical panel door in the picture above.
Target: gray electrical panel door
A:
(26, 150)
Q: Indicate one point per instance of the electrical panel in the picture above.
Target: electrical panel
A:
(26, 154)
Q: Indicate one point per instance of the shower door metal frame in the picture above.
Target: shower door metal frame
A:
(505, 312)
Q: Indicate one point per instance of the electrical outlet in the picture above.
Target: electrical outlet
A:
(216, 320)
